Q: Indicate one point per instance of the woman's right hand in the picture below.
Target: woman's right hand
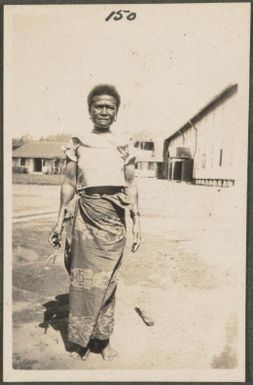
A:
(55, 237)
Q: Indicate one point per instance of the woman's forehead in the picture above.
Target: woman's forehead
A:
(104, 99)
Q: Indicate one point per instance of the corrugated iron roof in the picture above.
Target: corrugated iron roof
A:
(220, 98)
(40, 149)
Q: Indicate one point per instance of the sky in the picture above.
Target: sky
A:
(167, 64)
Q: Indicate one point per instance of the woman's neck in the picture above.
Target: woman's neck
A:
(101, 131)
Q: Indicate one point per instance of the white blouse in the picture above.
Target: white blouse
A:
(100, 158)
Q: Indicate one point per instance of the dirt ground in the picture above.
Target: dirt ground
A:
(188, 275)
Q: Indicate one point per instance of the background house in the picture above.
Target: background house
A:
(204, 149)
(40, 157)
(149, 157)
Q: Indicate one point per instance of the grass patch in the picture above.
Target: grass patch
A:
(37, 179)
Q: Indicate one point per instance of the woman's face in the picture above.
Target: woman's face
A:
(103, 111)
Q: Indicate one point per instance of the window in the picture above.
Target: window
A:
(22, 162)
(220, 160)
(149, 146)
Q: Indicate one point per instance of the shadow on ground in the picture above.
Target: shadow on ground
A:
(56, 315)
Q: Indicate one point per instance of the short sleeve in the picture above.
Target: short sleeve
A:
(70, 148)
(128, 152)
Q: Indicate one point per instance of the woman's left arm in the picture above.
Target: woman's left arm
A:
(132, 192)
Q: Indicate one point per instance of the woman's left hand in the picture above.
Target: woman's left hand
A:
(136, 235)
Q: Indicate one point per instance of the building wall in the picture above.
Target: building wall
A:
(48, 165)
(24, 162)
(147, 159)
(146, 169)
(15, 162)
(215, 153)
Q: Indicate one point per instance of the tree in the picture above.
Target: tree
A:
(18, 142)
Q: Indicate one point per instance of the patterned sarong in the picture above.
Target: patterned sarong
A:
(93, 256)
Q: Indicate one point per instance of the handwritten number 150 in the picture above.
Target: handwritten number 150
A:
(119, 15)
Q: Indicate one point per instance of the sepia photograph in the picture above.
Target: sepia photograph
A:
(125, 191)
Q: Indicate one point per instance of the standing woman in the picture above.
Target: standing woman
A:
(100, 170)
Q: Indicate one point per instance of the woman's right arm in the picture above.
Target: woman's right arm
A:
(68, 189)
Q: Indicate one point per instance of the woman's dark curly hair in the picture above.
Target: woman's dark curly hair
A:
(103, 89)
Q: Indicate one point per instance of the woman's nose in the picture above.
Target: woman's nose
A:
(104, 110)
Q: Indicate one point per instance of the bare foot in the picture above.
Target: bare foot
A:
(86, 355)
(76, 356)
(109, 354)
(80, 354)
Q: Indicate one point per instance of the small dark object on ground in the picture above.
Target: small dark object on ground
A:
(145, 317)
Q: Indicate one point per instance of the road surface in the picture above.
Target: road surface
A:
(188, 275)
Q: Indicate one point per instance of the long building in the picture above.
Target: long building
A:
(203, 150)
(40, 157)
